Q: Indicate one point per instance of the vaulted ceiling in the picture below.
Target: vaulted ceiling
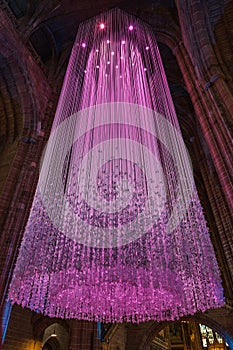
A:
(50, 27)
(48, 30)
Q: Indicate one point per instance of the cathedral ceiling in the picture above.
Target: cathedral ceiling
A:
(48, 29)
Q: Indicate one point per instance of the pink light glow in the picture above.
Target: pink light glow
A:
(147, 48)
(102, 25)
(84, 45)
(131, 27)
(97, 244)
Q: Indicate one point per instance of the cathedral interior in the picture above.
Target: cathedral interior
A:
(196, 46)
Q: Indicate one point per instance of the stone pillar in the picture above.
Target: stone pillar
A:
(29, 87)
(217, 138)
(211, 121)
(217, 212)
(211, 97)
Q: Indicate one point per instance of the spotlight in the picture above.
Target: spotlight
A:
(147, 48)
(102, 25)
(53, 334)
(84, 45)
(131, 27)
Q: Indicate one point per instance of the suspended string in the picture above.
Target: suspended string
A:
(116, 230)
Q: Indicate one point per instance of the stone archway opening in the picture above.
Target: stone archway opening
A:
(55, 337)
(52, 344)
(47, 346)
(191, 333)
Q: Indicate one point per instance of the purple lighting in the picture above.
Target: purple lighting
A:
(116, 232)
(84, 45)
(131, 27)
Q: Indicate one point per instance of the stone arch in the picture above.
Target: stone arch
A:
(47, 346)
(41, 323)
(55, 336)
(199, 318)
(52, 344)
(22, 99)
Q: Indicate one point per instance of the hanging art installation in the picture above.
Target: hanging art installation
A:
(116, 231)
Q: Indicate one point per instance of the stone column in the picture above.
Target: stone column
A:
(211, 121)
(217, 138)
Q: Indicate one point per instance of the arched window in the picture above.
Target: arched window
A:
(209, 337)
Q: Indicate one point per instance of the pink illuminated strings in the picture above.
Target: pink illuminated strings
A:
(116, 231)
